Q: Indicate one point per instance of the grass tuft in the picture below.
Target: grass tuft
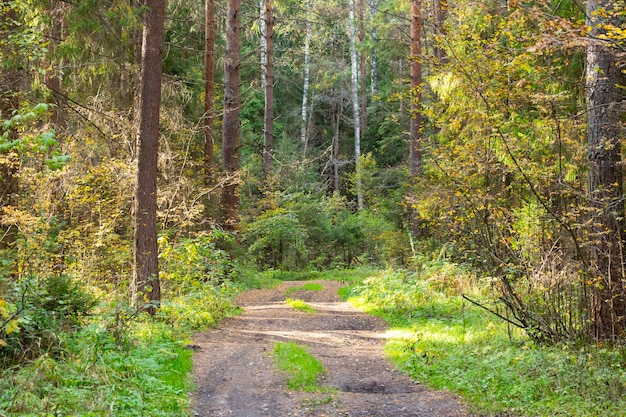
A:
(300, 305)
(303, 369)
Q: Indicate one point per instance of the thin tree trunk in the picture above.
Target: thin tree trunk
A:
(146, 285)
(355, 107)
(58, 26)
(305, 90)
(229, 203)
(363, 68)
(608, 301)
(415, 153)
(209, 93)
(267, 34)
(335, 121)
(440, 8)
(10, 96)
(373, 57)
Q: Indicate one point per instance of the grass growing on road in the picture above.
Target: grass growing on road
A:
(300, 305)
(303, 369)
(311, 286)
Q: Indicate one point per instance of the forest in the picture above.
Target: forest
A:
(458, 164)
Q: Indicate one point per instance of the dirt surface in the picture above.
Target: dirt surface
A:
(236, 376)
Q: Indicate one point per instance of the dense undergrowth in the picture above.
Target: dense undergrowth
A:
(79, 348)
(447, 343)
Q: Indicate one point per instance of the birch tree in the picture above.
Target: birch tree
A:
(355, 106)
(307, 72)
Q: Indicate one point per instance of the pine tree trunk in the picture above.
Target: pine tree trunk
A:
(440, 7)
(229, 203)
(209, 93)
(146, 285)
(604, 154)
(267, 33)
(355, 106)
(415, 153)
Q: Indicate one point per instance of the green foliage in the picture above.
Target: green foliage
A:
(97, 376)
(447, 343)
(302, 368)
(277, 239)
(36, 310)
(189, 262)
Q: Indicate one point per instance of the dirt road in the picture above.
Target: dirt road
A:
(235, 374)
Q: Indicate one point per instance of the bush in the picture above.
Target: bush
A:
(277, 240)
(39, 309)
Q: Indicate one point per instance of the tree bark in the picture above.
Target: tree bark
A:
(415, 129)
(373, 56)
(229, 203)
(209, 93)
(10, 96)
(146, 285)
(267, 34)
(440, 8)
(355, 107)
(362, 69)
(305, 89)
(608, 301)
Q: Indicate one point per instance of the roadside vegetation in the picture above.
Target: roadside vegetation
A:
(444, 341)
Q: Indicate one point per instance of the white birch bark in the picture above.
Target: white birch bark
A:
(305, 92)
(355, 106)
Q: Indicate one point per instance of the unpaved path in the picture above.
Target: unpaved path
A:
(236, 377)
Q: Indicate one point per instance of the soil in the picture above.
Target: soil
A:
(235, 374)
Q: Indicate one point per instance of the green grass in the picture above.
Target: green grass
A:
(444, 342)
(310, 286)
(120, 364)
(98, 375)
(303, 369)
(300, 305)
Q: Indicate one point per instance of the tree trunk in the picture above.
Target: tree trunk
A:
(209, 93)
(335, 119)
(305, 92)
(355, 107)
(373, 57)
(56, 34)
(9, 102)
(267, 34)
(362, 68)
(229, 203)
(440, 8)
(604, 154)
(415, 130)
(146, 285)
